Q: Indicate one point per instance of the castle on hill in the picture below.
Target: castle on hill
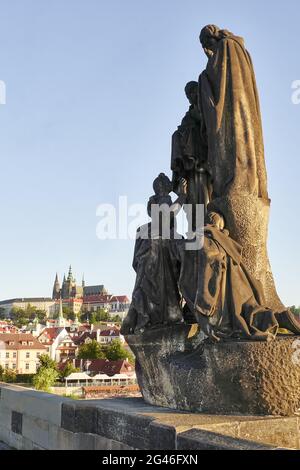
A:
(70, 290)
(80, 297)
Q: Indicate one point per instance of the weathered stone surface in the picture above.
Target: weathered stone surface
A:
(79, 419)
(196, 439)
(4, 446)
(121, 427)
(36, 430)
(44, 406)
(131, 423)
(16, 422)
(253, 378)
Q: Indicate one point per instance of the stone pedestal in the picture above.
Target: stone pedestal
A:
(178, 370)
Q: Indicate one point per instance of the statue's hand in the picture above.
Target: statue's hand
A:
(206, 328)
(182, 187)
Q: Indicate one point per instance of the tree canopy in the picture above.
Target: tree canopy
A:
(22, 316)
(91, 350)
(116, 351)
(46, 375)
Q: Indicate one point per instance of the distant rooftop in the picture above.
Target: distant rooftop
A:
(94, 290)
(26, 300)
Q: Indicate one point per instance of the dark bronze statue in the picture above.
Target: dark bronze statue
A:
(226, 300)
(156, 299)
(230, 109)
(217, 161)
(189, 155)
(229, 103)
(205, 315)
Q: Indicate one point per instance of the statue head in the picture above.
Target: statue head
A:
(210, 36)
(162, 185)
(191, 91)
(216, 220)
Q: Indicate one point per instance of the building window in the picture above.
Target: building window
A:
(14, 366)
(7, 355)
(6, 366)
(27, 355)
(38, 354)
(14, 355)
(27, 366)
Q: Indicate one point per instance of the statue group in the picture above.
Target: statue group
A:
(218, 164)
(206, 325)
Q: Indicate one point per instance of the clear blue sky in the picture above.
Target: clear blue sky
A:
(94, 92)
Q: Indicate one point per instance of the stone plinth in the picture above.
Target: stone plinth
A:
(178, 370)
(55, 423)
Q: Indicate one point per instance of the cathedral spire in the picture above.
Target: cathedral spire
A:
(70, 275)
(83, 282)
(56, 288)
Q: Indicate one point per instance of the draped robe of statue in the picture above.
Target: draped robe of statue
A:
(216, 284)
(188, 160)
(227, 294)
(156, 300)
(229, 102)
(229, 106)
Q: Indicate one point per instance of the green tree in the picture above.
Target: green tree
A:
(67, 370)
(102, 315)
(45, 362)
(2, 314)
(117, 319)
(116, 351)
(45, 379)
(295, 310)
(68, 313)
(41, 315)
(22, 316)
(91, 350)
(18, 317)
(46, 375)
(7, 375)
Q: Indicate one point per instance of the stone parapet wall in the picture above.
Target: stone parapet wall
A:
(35, 420)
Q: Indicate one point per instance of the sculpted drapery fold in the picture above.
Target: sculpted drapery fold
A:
(229, 103)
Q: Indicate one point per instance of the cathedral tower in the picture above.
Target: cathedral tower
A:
(56, 289)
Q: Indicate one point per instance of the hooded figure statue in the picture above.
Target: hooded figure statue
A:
(229, 104)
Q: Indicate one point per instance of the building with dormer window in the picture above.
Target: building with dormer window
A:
(20, 352)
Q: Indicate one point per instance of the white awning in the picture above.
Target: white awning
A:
(78, 376)
(101, 377)
(121, 376)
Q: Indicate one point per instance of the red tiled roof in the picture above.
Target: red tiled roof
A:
(97, 298)
(72, 300)
(17, 339)
(123, 299)
(51, 334)
(81, 339)
(113, 331)
(103, 366)
(8, 329)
